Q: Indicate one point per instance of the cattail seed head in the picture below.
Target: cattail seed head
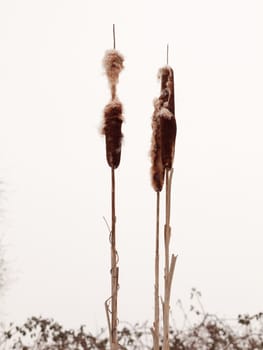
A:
(113, 64)
(168, 126)
(168, 134)
(111, 128)
(164, 129)
(157, 170)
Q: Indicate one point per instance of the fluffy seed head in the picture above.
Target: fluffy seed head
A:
(164, 129)
(111, 128)
(166, 98)
(113, 64)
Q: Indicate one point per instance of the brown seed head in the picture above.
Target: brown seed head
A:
(168, 126)
(168, 135)
(166, 98)
(157, 170)
(111, 128)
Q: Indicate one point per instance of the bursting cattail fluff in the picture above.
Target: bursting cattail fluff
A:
(113, 118)
(164, 129)
(113, 64)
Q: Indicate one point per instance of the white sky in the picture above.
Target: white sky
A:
(53, 165)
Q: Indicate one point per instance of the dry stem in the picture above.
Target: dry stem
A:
(107, 309)
(114, 268)
(156, 328)
(168, 269)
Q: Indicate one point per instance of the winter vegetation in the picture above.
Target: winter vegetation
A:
(200, 331)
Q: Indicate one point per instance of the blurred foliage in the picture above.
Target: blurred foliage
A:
(3, 265)
(204, 331)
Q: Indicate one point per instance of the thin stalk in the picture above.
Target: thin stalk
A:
(114, 268)
(168, 269)
(167, 222)
(156, 325)
(157, 310)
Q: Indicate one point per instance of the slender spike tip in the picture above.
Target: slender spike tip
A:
(114, 39)
(167, 54)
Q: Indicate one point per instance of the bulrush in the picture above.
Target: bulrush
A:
(157, 177)
(111, 128)
(162, 155)
(168, 135)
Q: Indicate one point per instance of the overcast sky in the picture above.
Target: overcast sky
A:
(53, 165)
